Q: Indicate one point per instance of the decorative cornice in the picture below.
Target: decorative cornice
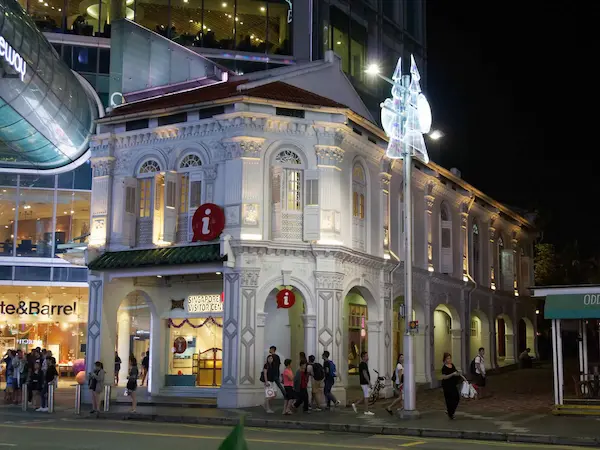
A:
(329, 280)
(210, 173)
(329, 155)
(102, 167)
(243, 146)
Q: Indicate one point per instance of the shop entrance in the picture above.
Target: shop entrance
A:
(133, 335)
(196, 356)
(284, 327)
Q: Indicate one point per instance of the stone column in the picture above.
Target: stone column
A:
(123, 343)
(493, 351)
(329, 160)
(103, 165)
(492, 256)
(385, 179)
(310, 335)
(464, 241)
(428, 226)
(329, 324)
(375, 347)
(240, 385)
(388, 358)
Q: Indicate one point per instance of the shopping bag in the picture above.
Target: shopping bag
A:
(465, 390)
(270, 391)
(472, 391)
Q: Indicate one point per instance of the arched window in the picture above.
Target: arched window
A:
(445, 240)
(190, 193)
(475, 251)
(286, 194)
(146, 175)
(359, 193)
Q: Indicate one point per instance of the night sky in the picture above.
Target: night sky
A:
(511, 85)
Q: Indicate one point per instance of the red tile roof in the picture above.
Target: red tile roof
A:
(277, 90)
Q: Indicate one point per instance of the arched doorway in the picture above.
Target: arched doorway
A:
(399, 326)
(133, 332)
(504, 340)
(284, 327)
(479, 335)
(446, 336)
(526, 336)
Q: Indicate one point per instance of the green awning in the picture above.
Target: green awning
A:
(195, 254)
(572, 306)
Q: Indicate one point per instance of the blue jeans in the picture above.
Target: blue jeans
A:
(329, 382)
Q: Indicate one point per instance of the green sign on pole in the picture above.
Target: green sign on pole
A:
(572, 306)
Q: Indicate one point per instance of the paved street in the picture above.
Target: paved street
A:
(77, 434)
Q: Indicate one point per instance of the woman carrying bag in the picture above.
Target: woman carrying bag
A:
(132, 382)
(96, 384)
(267, 376)
(450, 378)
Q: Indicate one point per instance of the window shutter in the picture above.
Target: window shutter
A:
(130, 211)
(508, 274)
(446, 248)
(170, 208)
(525, 282)
(277, 182)
(159, 194)
(312, 210)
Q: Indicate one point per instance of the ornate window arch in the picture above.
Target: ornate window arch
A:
(189, 162)
(287, 189)
(146, 175)
(149, 168)
(191, 193)
(446, 263)
(359, 207)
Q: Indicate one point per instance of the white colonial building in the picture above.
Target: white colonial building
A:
(311, 204)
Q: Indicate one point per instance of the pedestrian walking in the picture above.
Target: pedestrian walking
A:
(450, 379)
(301, 387)
(330, 375)
(398, 384)
(268, 376)
(480, 379)
(288, 384)
(132, 382)
(96, 385)
(117, 368)
(365, 384)
(317, 375)
(277, 368)
(145, 366)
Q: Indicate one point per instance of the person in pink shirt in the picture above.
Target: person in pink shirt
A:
(288, 385)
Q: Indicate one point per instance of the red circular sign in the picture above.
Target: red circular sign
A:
(179, 345)
(285, 299)
(208, 222)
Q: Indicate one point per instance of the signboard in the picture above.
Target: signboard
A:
(572, 306)
(37, 309)
(179, 345)
(13, 59)
(198, 304)
(208, 222)
(285, 299)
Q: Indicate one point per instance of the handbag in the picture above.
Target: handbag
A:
(131, 385)
(270, 391)
(465, 390)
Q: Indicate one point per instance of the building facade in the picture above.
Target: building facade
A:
(312, 209)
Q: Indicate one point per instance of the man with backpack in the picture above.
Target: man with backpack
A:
(477, 370)
(330, 374)
(316, 371)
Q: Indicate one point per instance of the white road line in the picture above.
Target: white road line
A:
(7, 445)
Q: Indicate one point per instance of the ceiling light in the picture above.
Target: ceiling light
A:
(262, 8)
(218, 273)
(224, 5)
(339, 42)
(158, 276)
(72, 212)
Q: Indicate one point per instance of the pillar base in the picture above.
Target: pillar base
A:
(241, 397)
(410, 415)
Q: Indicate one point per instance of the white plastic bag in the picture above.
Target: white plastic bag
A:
(472, 391)
(270, 391)
(465, 390)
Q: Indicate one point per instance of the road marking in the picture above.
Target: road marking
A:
(7, 445)
(412, 444)
(187, 436)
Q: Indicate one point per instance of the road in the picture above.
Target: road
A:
(38, 432)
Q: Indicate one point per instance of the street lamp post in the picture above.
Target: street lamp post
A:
(405, 118)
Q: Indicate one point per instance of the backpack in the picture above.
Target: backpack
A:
(332, 369)
(473, 368)
(318, 372)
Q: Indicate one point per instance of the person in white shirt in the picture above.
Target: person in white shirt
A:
(480, 377)
(398, 383)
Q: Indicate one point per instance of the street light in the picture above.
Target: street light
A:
(436, 135)
(405, 118)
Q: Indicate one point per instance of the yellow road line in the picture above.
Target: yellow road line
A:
(412, 444)
(187, 436)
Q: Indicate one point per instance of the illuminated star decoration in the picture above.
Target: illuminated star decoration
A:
(406, 116)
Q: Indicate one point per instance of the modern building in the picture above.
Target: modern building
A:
(47, 116)
(287, 168)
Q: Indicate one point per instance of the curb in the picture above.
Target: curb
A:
(363, 429)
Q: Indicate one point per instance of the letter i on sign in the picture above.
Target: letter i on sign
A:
(206, 222)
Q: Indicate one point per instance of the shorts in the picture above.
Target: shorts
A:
(365, 389)
(398, 389)
(289, 393)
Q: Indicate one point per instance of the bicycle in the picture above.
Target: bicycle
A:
(379, 385)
